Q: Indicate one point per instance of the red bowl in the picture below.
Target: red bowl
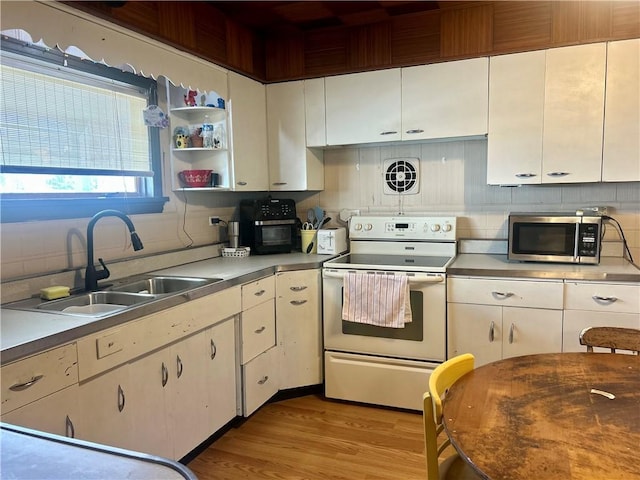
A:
(195, 178)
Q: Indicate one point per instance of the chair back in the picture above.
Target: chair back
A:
(614, 338)
(440, 380)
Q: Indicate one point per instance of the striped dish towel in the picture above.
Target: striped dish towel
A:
(376, 299)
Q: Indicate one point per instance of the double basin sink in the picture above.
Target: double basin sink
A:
(122, 295)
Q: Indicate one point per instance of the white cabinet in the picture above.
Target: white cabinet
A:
(500, 318)
(445, 100)
(292, 166)
(363, 107)
(314, 111)
(598, 304)
(198, 139)
(259, 353)
(574, 114)
(516, 106)
(299, 327)
(621, 154)
(248, 118)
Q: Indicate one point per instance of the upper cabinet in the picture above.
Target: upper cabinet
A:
(573, 114)
(621, 153)
(248, 118)
(293, 166)
(516, 106)
(314, 111)
(445, 100)
(363, 107)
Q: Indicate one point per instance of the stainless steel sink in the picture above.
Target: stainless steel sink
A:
(162, 285)
(95, 303)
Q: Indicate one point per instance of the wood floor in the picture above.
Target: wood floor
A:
(313, 438)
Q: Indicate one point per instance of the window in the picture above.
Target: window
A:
(72, 137)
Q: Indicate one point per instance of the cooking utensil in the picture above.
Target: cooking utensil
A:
(307, 226)
(311, 216)
(319, 214)
(313, 240)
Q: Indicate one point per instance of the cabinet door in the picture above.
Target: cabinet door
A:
(577, 320)
(299, 327)
(516, 105)
(108, 410)
(445, 100)
(248, 118)
(475, 329)
(220, 347)
(621, 154)
(531, 330)
(314, 110)
(56, 413)
(574, 114)
(363, 107)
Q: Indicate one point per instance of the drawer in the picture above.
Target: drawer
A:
(257, 292)
(258, 327)
(577, 320)
(603, 297)
(35, 377)
(512, 293)
(260, 380)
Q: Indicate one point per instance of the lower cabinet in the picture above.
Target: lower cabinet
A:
(501, 318)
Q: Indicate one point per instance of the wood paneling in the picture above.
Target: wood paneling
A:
(521, 26)
(466, 31)
(369, 46)
(287, 53)
(415, 39)
(625, 20)
(325, 52)
(210, 31)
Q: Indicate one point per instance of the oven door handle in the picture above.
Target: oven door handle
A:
(412, 280)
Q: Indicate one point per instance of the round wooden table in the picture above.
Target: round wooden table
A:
(537, 417)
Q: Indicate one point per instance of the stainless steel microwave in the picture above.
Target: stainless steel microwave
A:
(555, 237)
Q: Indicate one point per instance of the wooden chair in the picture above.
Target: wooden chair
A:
(452, 466)
(615, 338)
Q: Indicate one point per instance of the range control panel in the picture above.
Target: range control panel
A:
(441, 229)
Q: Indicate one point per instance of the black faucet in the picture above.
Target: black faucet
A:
(92, 275)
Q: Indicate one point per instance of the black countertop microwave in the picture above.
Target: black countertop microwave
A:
(555, 237)
(268, 225)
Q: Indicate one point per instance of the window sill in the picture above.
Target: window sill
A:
(14, 211)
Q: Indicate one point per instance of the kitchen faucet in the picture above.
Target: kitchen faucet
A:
(92, 275)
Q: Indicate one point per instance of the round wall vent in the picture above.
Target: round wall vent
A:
(401, 176)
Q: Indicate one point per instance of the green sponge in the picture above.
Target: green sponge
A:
(51, 293)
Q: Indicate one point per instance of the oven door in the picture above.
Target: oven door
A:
(422, 339)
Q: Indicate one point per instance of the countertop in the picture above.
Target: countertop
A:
(610, 269)
(24, 333)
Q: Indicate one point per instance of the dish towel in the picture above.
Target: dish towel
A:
(376, 299)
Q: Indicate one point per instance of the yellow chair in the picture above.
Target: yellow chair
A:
(452, 466)
(615, 338)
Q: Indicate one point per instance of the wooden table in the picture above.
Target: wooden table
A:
(535, 417)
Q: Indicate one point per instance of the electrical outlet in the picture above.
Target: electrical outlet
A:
(213, 221)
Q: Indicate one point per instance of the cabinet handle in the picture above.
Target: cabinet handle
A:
(297, 303)
(415, 130)
(70, 431)
(599, 299)
(261, 329)
(492, 331)
(259, 293)
(214, 349)
(279, 183)
(525, 175)
(179, 365)
(165, 375)
(242, 183)
(511, 333)
(558, 174)
(298, 289)
(390, 132)
(18, 387)
(501, 295)
(121, 399)
(263, 380)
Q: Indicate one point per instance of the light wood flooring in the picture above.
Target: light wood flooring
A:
(313, 438)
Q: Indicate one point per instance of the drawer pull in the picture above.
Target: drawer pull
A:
(261, 329)
(298, 289)
(415, 130)
(297, 303)
(18, 387)
(492, 328)
(601, 299)
(259, 293)
(214, 349)
(165, 375)
(501, 295)
(242, 184)
(70, 430)
(557, 174)
(525, 175)
(121, 399)
(263, 380)
(389, 132)
(179, 365)
(511, 333)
